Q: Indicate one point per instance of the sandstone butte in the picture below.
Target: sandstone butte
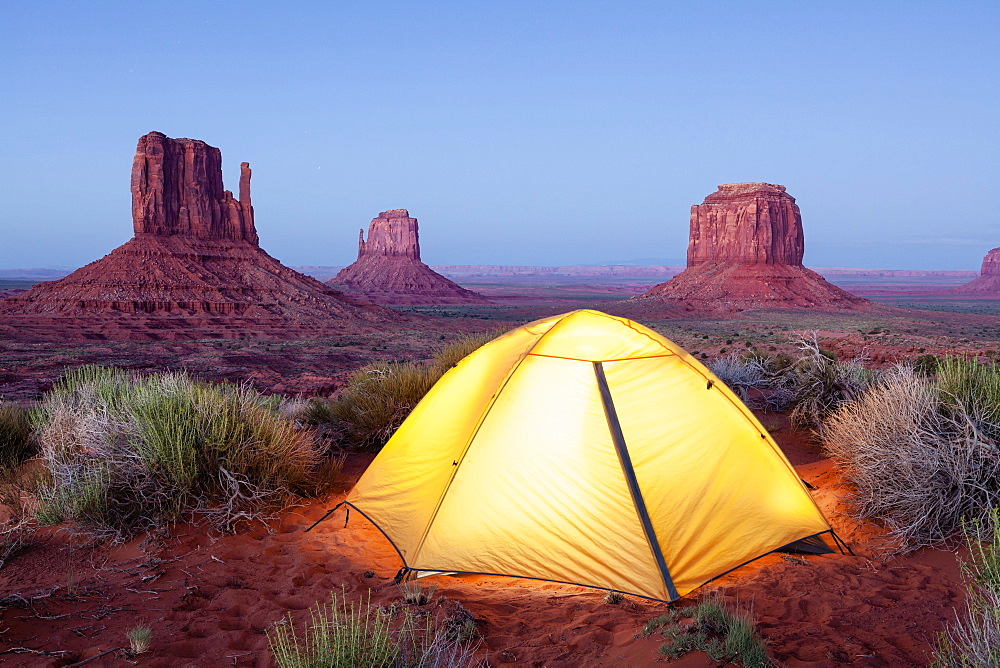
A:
(745, 252)
(194, 268)
(988, 282)
(389, 271)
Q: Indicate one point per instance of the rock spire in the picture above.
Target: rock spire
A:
(177, 190)
(194, 268)
(389, 271)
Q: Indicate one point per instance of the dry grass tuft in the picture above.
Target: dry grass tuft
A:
(415, 594)
(140, 639)
(347, 635)
(975, 641)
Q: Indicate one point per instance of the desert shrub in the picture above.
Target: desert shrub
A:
(377, 399)
(125, 452)
(455, 352)
(15, 435)
(719, 629)
(926, 365)
(347, 635)
(975, 641)
(748, 376)
(918, 460)
(816, 383)
(379, 396)
(973, 389)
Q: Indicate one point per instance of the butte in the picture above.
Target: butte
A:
(389, 271)
(194, 268)
(988, 283)
(745, 252)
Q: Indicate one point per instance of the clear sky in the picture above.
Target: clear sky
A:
(539, 132)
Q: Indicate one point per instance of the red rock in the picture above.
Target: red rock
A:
(745, 252)
(193, 270)
(389, 271)
(177, 190)
(988, 282)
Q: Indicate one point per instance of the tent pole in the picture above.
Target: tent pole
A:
(328, 513)
(633, 485)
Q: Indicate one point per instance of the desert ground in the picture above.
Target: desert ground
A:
(210, 597)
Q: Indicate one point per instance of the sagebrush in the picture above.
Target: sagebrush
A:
(125, 452)
(809, 386)
(922, 453)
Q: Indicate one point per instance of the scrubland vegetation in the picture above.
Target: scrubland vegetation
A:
(723, 631)
(379, 396)
(922, 452)
(975, 641)
(809, 386)
(348, 635)
(123, 453)
(118, 453)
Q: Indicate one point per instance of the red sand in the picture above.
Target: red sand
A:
(209, 597)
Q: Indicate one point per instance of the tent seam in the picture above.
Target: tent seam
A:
(468, 443)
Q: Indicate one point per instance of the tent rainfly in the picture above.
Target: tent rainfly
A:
(586, 449)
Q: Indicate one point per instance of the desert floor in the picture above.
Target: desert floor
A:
(210, 597)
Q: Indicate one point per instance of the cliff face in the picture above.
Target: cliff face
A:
(988, 282)
(745, 251)
(991, 263)
(193, 270)
(177, 190)
(389, 271)
(746, 223)
(392, 234)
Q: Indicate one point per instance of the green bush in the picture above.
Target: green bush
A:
(15, 435)
(125, 452)
(720, 630)
(379, 396)
(972, 388)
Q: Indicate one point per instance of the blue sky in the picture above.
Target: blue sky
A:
(516, 132)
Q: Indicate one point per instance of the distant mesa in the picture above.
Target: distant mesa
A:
(389, 271)
(745, 252)
(988, 282)
(193, 269)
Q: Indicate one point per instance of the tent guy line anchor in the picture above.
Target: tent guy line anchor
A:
(328, 513)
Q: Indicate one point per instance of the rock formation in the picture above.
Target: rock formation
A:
(745, 252)
(194, 268)
(988, 282)
(389, 271)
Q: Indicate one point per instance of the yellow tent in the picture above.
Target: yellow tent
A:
(585, 449)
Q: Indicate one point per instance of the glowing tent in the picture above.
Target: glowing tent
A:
(586, 449)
